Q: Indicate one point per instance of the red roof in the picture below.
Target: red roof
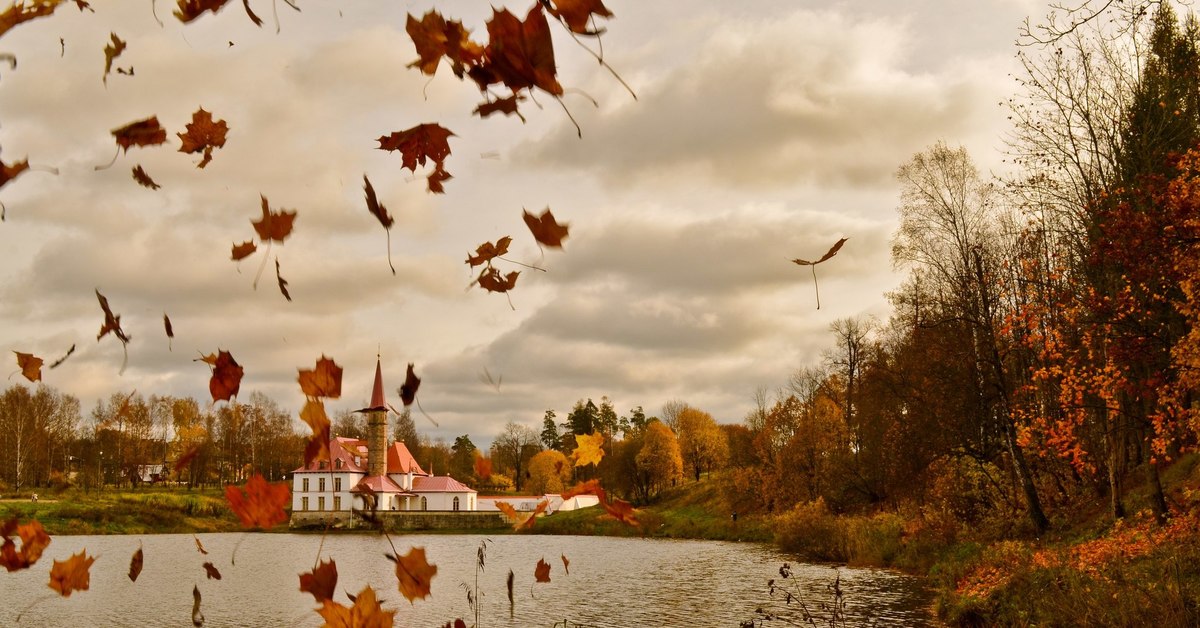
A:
(377, 484)
(400, 460)
(342, 449)
(439, 484)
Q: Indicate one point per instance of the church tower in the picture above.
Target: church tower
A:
(377, 427)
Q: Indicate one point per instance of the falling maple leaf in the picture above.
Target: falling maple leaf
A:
(486, 252)
(144, 179)
(273, 226)
(437, 178)
(141, 133)
(491, 280)
(73, 574)
(112, 51)
(33, 542)
(226, 377)
(828, 254)
(199, 545)
(30, 365)
(260, 505)
(323, 380)
(519, 54)
(321, 581)
(170, 331)
(435, 37)
(197, 616)
(366, 612)
(243, 250)
(507, 105)
(203, 134)
(282, 282)
(211, 571)
(541, 573)
(621, 510)
(589, 449)
(545, 228)
(418, 144)
(64, 358)
(21, 11)
(576, 14)
(414, 574)
(135, 564)
(381, 213)
(566, 564)
(408, 391)
(191, 9)
(112, 323)
(457, 623)
(317, 447)
(8, 173)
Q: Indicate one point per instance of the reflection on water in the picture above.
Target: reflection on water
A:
(612, 582)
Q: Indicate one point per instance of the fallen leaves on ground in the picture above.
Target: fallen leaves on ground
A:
(259, 504)
(73, 574)
(33, 542)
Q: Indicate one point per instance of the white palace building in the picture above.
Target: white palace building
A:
(373, 475)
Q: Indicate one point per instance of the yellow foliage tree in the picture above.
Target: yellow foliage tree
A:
(659, 462)
(549, 472)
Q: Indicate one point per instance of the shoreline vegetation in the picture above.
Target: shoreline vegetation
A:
(1085, 570)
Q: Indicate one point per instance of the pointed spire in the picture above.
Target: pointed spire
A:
(377, 400)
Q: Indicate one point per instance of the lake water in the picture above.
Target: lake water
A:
(612, 582)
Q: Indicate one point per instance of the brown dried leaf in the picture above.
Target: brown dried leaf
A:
(135, 565)
(282, 282)
(170, 330)
(72, 575)
(259, 505)
(112, 51)
(576, 14)
(366, 612)
(566, 564)
(8, 173)
(408, 391)
(414, 574)
(541, 573)
(545, 228)
(33, 542)
(421, 143)
(321, 581)
(189, 10)
(323, 380)
(486, 252)
(203, 134)
(141, 133)
(30, 365)
(317, 447)
(112, 323)
(212, 572)
(273, 225)
(226, 377)
(243, 250)
(144, 179)
(491, 280)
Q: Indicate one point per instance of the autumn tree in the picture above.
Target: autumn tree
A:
(658, 462)
(462, 459)
(405, 430)
(701, 442)
(549, 472)
(513, 449)
(36, 430)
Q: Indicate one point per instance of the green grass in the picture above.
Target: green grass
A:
(127, 512)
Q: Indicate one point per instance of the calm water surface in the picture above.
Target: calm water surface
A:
(612, 582)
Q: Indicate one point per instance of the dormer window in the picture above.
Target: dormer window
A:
(338, 464)
(358, 461)
(321, 465)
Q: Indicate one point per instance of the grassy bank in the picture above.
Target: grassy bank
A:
(146, 511)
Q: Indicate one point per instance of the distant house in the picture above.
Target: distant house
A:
(528, 503)
(384, 479)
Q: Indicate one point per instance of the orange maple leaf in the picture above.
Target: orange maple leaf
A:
(518, 54)
(323, 380)
(366, 612)
(521, 521)
(274, 226)
(414, 574)
(576, 14)
(420, 143)
(435, 37)
(33, 542)
(73, 574)
(321, 581)
(30, 365)
(243, 250)
(545, 228)
(22, 11)
(8, 173)
(226, 377)
(203, 134)
(491, 280)
(541, 573)
(262, 504)
(620, 510)
(317, 447)
(589, 449)
(112, 51)
(189, 10)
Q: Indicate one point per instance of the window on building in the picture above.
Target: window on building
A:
(337, 502)
(456, 502)
(338, 464)
(304, 501)
(424, 503)
(321, 503)
(321, 486)
(337, 485)
(304, 486)
(321, 465)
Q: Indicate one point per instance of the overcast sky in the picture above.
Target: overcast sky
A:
(763, 131)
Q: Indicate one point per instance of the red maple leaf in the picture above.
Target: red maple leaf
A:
(226, 377)
(260, 505)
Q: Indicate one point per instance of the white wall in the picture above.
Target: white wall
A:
(314, 491)
(445, 501)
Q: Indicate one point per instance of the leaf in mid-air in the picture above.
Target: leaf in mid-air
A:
(408, 391)
(212, 572)
(828, 254)
(144, 179)
(273, 226)
(418, 144)
(589, 449)
(541, 573)
(135, 564)
(170, 330)
(317, 446)
(243, 250)
(576, 14)
(366, 612)
(414, 574)
(323, 380)
(491, 280)
(141, 133)
(545, 228)
(486, 252)
(33, 542)
(203, 134)
(112, 51)
(72, 574)
(282, 282)
(321, 581)
(259, 504)
(226, 377)
(30, 365)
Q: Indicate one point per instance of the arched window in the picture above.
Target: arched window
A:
(424, 503)
(456, 502)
